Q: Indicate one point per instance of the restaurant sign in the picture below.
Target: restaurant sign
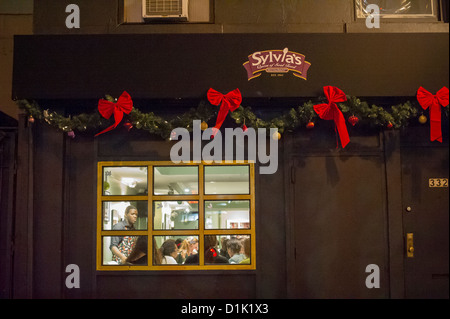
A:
(276, 62)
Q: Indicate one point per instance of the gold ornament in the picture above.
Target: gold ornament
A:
(422, 119)
(204, 126)
(276, 136)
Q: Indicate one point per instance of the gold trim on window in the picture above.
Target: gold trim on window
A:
(200, 232)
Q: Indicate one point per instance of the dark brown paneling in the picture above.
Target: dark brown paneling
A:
(23, 219)
(48, 212)
(80, 212)
(187, 65)
(8, 144)
(176, 286)
(339, 224)
(426, 274)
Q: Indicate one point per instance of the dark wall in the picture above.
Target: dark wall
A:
(64, 232)
(321, 219)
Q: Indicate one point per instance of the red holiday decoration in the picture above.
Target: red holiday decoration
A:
(353, 120)
(330, 111)
(310, 125)
(106, 108)
(128, 126)
(213, 252)
(244, 128)
(228, 102)
(434, 103)
(390, 125)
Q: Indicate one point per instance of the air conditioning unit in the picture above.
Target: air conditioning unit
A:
(165, 10)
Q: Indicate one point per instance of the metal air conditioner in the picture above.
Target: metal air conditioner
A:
(165, 10)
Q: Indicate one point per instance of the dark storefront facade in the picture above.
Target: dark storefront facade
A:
(317, 225)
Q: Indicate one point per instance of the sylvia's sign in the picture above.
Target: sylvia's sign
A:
(276, 62)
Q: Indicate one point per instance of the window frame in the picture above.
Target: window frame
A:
(402, 18)
(201, 197)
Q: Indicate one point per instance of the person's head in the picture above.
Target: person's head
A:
(246, 244)
(210, 242)
(192, 244)
(224, 242)
(131, 214)
(139, 250)
(169, 248)
(233, 246)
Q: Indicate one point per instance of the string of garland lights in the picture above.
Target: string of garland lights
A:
(357, 112)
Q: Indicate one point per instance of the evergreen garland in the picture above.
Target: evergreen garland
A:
(396, 117)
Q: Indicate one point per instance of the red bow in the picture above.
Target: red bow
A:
(434, 102)
(330, 111)
(106, 108)
(230, 102)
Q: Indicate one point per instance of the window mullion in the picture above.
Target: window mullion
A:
(201, 216)
(150, 217)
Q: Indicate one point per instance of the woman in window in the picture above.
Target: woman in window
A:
(234, 247)
(188, 247)
(169, 252)
(121, 246)
(139, 254)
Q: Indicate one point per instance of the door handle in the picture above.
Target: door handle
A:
(410, 245)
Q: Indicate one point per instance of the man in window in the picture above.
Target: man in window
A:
(121, 246)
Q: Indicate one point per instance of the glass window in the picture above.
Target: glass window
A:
(175, 250)
(125, 215)
(162, 216)
(398, 8)
(228, 249)
(175, 180)
(228, 214)
(227, 179)
(124, 180)
(175, 215)
(125, 250)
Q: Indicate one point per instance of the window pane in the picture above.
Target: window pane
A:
(227, 179)
(175, 215)
(396, 7)
(125, 215)
(175, 250)
(223, 249)
(125, 180)
(133, 248)
(231, 214)
(175, 180)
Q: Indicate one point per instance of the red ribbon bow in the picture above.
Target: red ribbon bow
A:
(230, 102)
(434, 102)
(330, 111)
(106, 108)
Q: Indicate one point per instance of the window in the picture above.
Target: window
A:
(167, 11)
(165, 216)
(399, 8)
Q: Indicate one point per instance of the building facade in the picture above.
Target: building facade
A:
(368, 220)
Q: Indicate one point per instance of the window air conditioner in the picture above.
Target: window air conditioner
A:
(165, 10)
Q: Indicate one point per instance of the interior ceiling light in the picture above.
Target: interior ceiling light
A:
(130, 182)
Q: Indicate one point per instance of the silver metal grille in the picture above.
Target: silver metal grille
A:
(164, 7)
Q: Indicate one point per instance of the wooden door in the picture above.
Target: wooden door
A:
(338, 226)
(425, 215)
